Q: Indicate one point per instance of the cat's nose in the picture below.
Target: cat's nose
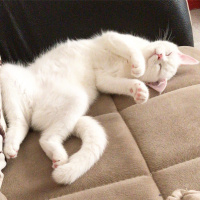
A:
(159, 56)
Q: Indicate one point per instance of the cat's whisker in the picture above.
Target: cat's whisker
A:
(170, 36)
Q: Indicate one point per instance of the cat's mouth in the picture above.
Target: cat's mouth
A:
(159, 86)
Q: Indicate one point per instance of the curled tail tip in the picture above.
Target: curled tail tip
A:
(65, 174)
(59, 177)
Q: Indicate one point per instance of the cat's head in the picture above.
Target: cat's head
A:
(162, 61)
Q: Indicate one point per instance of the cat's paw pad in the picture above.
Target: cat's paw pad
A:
(10, 151)
(140, 92)
(61, 160)
(55, 163)
(137, 70)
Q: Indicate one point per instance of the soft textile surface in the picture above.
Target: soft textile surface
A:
(153, 148)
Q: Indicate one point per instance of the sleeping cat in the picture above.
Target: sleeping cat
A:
(53, 93)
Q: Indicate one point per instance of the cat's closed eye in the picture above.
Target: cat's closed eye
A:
(168, 54)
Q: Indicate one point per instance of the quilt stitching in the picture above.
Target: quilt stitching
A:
(138, 148)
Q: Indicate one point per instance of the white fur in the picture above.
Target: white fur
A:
(53, 93)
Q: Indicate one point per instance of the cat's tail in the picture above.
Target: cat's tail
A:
(94, 142)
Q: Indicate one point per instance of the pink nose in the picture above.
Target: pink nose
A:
(159, 56)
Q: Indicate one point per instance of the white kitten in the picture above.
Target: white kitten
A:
(53, 93)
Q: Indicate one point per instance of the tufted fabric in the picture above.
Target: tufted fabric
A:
(153, 148)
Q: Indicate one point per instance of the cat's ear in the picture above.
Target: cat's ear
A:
(187, 60)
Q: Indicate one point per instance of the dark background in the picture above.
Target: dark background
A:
(29, 27)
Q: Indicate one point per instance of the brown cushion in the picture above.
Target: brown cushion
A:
(166, 129)
(138, 188)
(185, 175)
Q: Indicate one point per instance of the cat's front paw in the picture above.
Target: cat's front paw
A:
(139, 91)
(138, 68)
(11, 150)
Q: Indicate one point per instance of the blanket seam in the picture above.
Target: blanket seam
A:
(140, 176)
(175, 165)
(156, 96)
(139, 150)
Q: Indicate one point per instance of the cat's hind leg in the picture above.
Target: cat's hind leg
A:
(51, 143)
(53, 136)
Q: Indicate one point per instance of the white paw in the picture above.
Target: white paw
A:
(59, 159)
(11, 150)
(138, 69)
(140, 92)
(66, 174)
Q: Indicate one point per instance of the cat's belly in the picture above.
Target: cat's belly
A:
(52, 103)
